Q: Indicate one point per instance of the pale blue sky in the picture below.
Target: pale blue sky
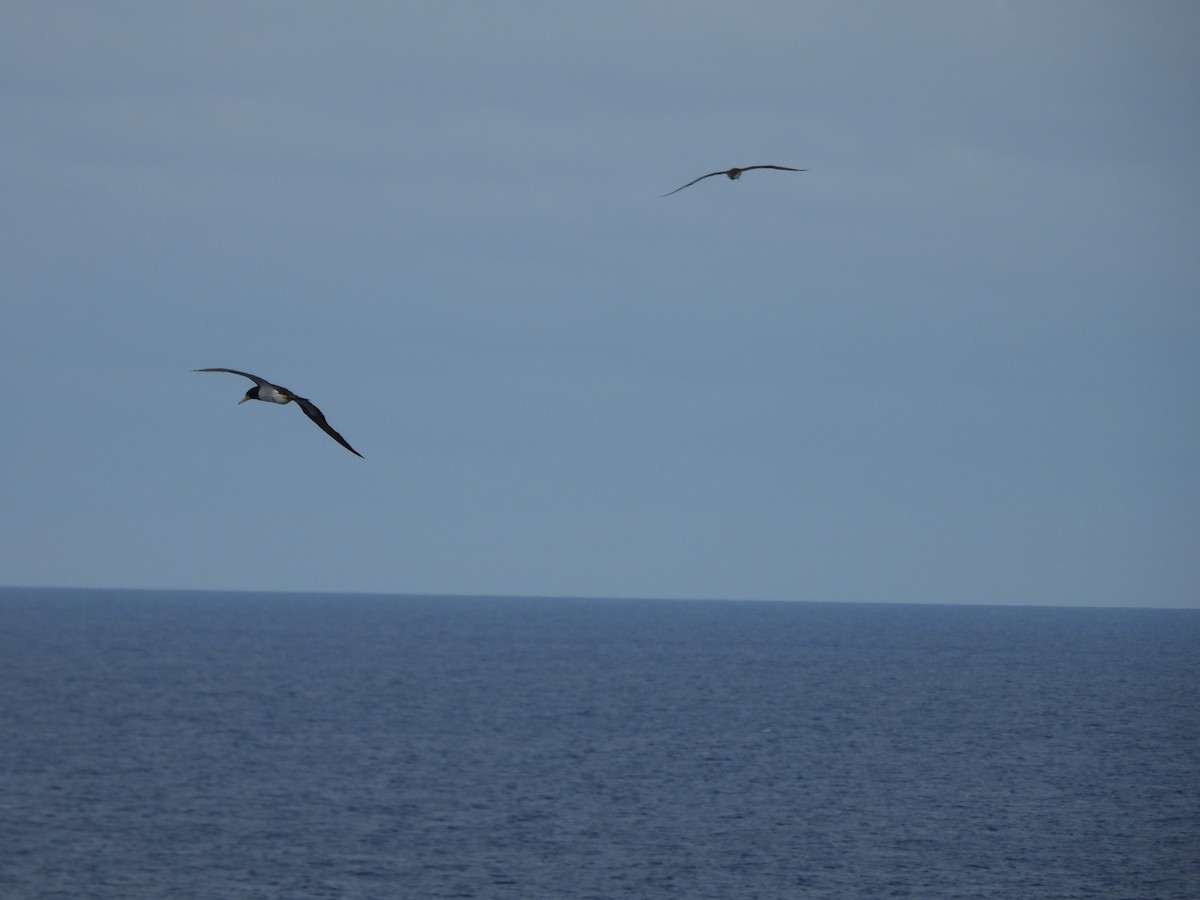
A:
(956, 361)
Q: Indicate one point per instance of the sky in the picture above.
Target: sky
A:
(955, 361)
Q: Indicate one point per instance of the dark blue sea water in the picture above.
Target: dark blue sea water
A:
(193, 745)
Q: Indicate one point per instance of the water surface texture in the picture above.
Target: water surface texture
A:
(159, 744)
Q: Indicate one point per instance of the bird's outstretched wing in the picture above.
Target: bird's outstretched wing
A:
(780, 168)
(690, 183)
(315, 414)
(261, 382)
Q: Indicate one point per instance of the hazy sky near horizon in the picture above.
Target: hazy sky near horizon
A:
(958, 360)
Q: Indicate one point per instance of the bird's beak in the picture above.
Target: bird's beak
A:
(243, 400)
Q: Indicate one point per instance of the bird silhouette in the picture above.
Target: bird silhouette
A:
(273, 393)
(733, 175)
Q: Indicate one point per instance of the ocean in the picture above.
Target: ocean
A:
(158, 744)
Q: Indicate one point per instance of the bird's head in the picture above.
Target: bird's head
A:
(251, 394)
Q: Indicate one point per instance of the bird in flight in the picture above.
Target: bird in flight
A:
(733, 175)
(273, 393)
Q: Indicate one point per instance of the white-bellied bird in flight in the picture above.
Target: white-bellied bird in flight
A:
(273, 393)
(733, 175)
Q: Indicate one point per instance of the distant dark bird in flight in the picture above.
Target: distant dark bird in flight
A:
(273, 393)
(733, 175)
